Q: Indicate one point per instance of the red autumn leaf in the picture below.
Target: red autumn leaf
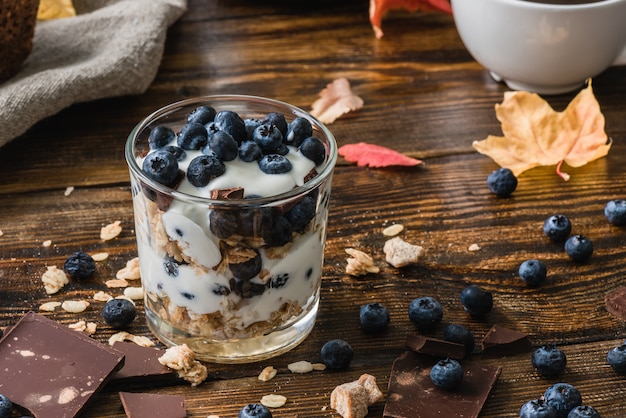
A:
(375, 156)
(378, 9)
(335, 100)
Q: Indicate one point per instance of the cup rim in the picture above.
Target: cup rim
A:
(321, 176)
(530, 4)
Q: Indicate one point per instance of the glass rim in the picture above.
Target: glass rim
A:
(321, 176)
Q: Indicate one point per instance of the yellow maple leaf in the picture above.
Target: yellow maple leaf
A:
(537, 135)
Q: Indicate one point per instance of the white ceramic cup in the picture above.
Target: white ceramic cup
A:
(539, 47)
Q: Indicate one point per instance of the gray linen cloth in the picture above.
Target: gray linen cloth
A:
(111, 48)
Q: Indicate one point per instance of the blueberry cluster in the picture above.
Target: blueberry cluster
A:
(560, 400)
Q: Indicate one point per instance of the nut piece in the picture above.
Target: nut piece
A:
(360, 263)
(74, 306)
(400, 253)
(273, 401)
(351, 400)
(110, 231)
(131, 271)
(183, 360)
(54, 279)
(268, 374)
(302, 366)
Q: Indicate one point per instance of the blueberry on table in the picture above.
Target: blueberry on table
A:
(584, 411)
(231, 122)
(204, 168)
(202, 115)
(254, 410)
(502, 182)
(162, 167)
(557, 227)
(616, 357)
(6, 407)
(476, 301)
(579, 248)
(192, 136)
(160, 136)
(459, 334)
(537, 408)
(532, 272)
(425, 312)
(223, 145)
(274, 164)
(563, 397)
(298, 129)
(313, 149)
(374, 317)
(447, 374)
(79, 265)
(615, 212)
(119, 313)
(268, 137)
(336, 354)
(549, 360)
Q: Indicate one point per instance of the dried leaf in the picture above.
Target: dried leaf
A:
(536, 135)
(375, 156)
(55, 9)
(335, 100)
(378, 9)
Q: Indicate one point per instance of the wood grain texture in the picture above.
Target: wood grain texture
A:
(424, 96)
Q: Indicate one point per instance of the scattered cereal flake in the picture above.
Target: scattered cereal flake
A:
(119, 337)
(78, 326)
(131, 271)
(100, 256)
(182, 359)
(267, 374)
(351, 400)
(111, 231)
(301, 366)
(335, 100)
(46, 243)
(114, 283)
(474, 247)
(273, 400)
(360, 263)
(400, 253)
(213, 416)
(318, 366)
(142, 341)
(127, 336)
(91, 328)
(101, 296)
(68, 190)
(49, 306)
(1, 233)
(134, 293)
(54, 279)
(74, 306)
(393, 230)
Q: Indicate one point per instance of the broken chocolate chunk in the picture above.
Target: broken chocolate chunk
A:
(615, 302)
(412, 394)
(233, 193)
(142, 367)
(435, 347)
(501, 340)
(153, 405)
(51, 370)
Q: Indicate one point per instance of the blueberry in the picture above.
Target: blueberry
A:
(578, 248)
(459, 334)
(274, 164)
(277, 232)
(251, 124)
(246, 289)
(204, 168)
(171, 265)
(299, 129)
(222, 223)
(549, 360)
(313, 149)
(374, 317)
(278, 281)
(231, 122)
(6, 407)
(425, 312)
(532, 272)
(476, 301)
(268, 137)
(202, 115)
(119, 313)
(616, 357)
(250, 151)
(615, 212)
(80, 265)
(223, 145)
(337, 354)
(254, 410)
(584, 411)
(278, 120)
(162, 167)
(249, 268)
(557, 227)
(563, 397)
(192, 136)
(160, 136)
(537, 408)
(447, 374)
(177, 152)
(502, 182)
(300, 215)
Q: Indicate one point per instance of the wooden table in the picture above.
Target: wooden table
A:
(425, 97)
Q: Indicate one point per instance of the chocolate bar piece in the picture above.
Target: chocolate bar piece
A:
(501, 340)
(153, 405)
(435, 347)
(412, 394)
(52, 370)
(141, 367)
(615, 302)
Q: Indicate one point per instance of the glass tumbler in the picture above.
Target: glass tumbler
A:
(232, 268)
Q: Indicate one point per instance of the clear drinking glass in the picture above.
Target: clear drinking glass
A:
(234, 274)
